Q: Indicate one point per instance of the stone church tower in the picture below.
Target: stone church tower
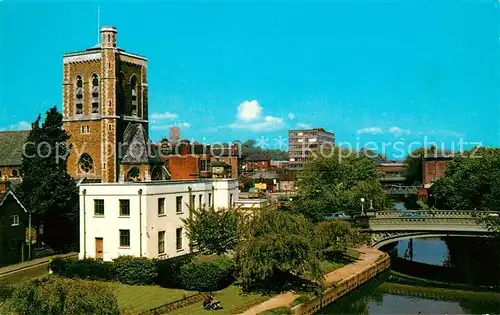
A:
(105, 108)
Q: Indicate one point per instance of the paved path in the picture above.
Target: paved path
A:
(367, 257)
(28, 269)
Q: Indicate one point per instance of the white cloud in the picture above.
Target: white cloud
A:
(304, 126)
(396, 131)
(291, 116)
(370, 130)
(269, 123)
(163, 116)
(22, 125)
(249, 117)
(249, 111)
(185, 125)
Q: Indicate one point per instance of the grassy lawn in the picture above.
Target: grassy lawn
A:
(232, 300)
(137, 299)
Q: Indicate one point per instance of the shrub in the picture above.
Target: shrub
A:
(208, 273)
(169, 271)
(135, 270)
(85, 269)
(59, 296)
(5, 292)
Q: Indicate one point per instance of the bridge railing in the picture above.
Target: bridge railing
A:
(433, 214)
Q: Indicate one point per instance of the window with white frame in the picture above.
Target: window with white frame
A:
(14, 220)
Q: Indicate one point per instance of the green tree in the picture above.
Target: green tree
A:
(59, 296)
(274, 246)
(47, 190)
(212, 231)
(335, 181)
(413, 169)
(471, 181)
(336, 236)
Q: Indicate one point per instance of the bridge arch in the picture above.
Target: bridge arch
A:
(381, 239)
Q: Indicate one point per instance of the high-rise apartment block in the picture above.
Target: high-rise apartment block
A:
(304, 141)
(175, 133)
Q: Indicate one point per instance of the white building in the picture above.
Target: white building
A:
(144, 219)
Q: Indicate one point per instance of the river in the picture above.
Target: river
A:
(385, 295)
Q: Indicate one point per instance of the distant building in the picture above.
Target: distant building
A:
(301, 142)
(11, 153)
(279, 164)
(391, 173)
(175, 133)
(185, 160)
(257, 161)
(433, 167)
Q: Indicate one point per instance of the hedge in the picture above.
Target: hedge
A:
(125, 269)
(208, 273)
(190, 272)
(169, 271)
(135, 270)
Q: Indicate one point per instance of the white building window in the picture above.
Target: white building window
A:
(161, 242)
(161, 206)
(178, 238)
(14, 220)
(124, 238)
(178, 204)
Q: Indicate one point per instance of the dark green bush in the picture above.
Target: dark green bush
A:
(208, 273)
(135, 270)
(169, 271)
(59, 296)
(85, 269)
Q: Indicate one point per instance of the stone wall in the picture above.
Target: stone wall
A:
(343, 287)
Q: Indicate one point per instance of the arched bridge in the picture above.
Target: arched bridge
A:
(391, 226)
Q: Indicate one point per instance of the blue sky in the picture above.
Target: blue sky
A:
(225, 70)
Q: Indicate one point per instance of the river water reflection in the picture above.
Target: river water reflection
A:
(382, 296)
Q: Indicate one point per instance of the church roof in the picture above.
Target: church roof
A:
(137, 147)
(11, 147)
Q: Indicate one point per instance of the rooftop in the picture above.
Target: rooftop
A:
(164, 182)
(11, 147)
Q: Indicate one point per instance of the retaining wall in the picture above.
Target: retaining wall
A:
(343, 287)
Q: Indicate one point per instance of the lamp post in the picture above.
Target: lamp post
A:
(362, 206)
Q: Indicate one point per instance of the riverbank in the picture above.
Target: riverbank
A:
(337, 281)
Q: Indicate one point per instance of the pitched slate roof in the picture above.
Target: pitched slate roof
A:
(11, 147)
(137, 147)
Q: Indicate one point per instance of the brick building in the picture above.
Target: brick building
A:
(11, 153)
(302, 142)
(257, 161)
(434, 167)
(185, 160)
(105, 108)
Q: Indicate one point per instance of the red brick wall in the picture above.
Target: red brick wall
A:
(265, 165)
(433, 170)
(183, 167)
